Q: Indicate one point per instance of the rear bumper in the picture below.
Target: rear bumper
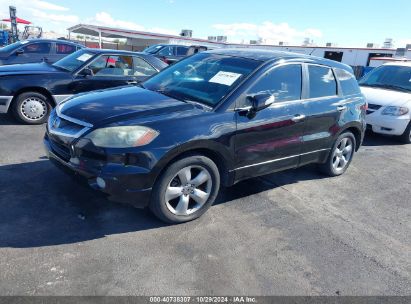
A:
(390, 125)
(115, 178)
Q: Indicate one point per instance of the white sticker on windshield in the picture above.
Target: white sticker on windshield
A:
(225, 78)
(84, 57)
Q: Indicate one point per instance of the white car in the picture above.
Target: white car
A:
(388, 93)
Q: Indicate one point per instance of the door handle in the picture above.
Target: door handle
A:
(298, 118)
(341, 108)
(132, 82)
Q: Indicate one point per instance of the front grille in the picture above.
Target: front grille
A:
(62, 125)
(61, 150)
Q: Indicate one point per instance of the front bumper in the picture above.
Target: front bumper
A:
(120, 181)
(385, 124)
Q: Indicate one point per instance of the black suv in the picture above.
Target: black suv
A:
(37, 50)
(217, 117)
(170, 54)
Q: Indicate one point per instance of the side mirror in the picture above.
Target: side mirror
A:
(19, 52)
(86, 72)
(261, 101)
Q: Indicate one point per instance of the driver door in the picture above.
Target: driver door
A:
(271, 139)
(108, 71)
(31, 53)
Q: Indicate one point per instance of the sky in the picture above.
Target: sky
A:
(345, 23)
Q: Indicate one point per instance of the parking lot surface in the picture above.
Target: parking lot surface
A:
(290, 233)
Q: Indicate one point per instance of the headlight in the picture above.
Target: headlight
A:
(395, 111)
(122, 137)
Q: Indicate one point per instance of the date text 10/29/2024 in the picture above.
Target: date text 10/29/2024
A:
(239, 299)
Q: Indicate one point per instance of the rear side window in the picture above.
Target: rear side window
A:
(349, 84)
(322, 82)
(182, 51)
(142, 68)
(62, 48)
(283, 82)
(37, 48)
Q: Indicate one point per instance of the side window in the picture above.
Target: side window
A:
(166, 51)
(37, 48)
(63, 48)
(182, 51)
(142, 68)
(283, 82)
(99, 64)
(113, 66)
(322, 82)
(349, 84)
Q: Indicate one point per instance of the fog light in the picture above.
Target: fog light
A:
(101, 182)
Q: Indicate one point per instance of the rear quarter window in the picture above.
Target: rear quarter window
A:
(348, 83)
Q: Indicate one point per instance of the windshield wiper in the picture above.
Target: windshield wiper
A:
(171, 95)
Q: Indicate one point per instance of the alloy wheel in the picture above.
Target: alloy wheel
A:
(188, 191)
(342, 154)
(33, 108)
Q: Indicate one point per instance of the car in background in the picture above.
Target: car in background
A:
(388, 93)
(217, 117)
(30, 91)
(37, 50)
(172, 53)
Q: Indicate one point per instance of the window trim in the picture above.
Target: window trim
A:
(307, 81)
(269, 70)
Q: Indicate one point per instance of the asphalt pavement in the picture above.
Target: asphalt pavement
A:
(290, 233)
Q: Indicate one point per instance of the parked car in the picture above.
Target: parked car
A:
(173, 53)
(217, 117)
(37, 50)
(30, 91)
(388, 92)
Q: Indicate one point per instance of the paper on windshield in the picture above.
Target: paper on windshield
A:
(225, 78)
(84, 57)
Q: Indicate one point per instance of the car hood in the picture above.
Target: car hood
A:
(28, 68)
(121, 104)
(384, 97)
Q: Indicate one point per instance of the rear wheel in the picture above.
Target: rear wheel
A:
(31, 108)
(340, 156)
(406, 137)
(185, 190)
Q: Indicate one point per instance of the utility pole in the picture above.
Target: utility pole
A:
(13, 21)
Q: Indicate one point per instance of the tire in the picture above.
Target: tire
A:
(178, 197)
(31, 108)
(406, 137)
(340, 156)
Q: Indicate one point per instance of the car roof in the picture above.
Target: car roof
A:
(54, 40)
(110, 51)
(269, 55)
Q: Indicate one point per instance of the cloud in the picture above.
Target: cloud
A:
(268, 32)
(48, 6)
(105, 19)
(61, 18)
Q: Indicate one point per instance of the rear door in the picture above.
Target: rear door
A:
(323, 108)
(108, 71)
(272, 139)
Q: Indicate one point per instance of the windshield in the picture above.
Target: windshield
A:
(205, 78)
(153, 49)
(74, 61)
(393, 77)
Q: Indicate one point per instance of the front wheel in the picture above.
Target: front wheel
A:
(340, 156)
(406, 137)
(185, 190)
(31, 108)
